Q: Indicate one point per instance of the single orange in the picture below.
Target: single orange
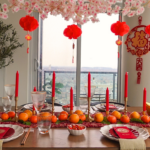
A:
(64, 112)
(29, 112)
(145, 118)
(82, 117)
(112, 119)
(33, 119)
(23, 116)
(125, 119)
(63, 117)
(98, 117)
(54, 119)
(74, 118)
(79, 112)
(135, 115)
(116, 114)
(11, 114)
(4, 116)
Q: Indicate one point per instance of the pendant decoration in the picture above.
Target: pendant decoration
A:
(72, 32)
(29, 24)
(120, 29)
(138, 44)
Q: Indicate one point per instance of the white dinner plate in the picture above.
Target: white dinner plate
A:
(29, 106)
(102, 107)
(143, 133)
(18, 131)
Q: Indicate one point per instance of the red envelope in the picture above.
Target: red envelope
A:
(124, 133)
(3, 131)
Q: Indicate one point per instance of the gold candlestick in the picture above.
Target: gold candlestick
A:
(144, 112)
(71, 112)
(16, 109)
(107, 113)
(89, 119)
(53, 100)
(125, 101)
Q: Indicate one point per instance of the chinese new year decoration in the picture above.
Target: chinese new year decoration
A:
(120, 29)
(137, 44)
(29, 24)
(72, 32)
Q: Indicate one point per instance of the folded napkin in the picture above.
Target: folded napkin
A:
(132, 144)
(1, 144)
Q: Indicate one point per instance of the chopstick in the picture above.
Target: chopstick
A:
(25, 137)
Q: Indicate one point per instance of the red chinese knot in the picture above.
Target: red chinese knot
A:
(72, 31)
(118, 42)
(120, 28)
(28, 37)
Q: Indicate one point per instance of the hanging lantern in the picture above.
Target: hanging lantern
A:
(72, 32)
(29, 24)
(120, 29)
(147, 29)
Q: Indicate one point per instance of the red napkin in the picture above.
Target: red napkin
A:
(124, 133)
(3, 131)
(111, 106)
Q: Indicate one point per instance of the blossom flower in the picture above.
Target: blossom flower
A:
(140, 10)
(131, 14)
(16, 9)
(21, 1)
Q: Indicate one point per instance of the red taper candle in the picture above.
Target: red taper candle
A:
(89, 84)
(126, 85)
(34, 91)
(53, 85)
(107, 99)
(71, 98)
(144, 99)
(17, 84)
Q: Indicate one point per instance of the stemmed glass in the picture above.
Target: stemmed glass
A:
(10, 91)
(84, 101)
(38, 99)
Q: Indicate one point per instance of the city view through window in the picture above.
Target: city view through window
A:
(98, 56)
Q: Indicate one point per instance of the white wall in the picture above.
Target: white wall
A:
(20, 60)
(135, 91)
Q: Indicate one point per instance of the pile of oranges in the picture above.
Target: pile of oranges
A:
(6, 116)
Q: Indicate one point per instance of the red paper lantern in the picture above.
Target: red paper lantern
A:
(118, 42)
(72, 31)
(28, 37)
(147, 29)
(28, 23)
(120, 28)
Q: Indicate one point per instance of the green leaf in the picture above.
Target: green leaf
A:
(105, 121)
(21, 121)
(6, 120)
(136, 120)
(119, 122)
(86, 115)
(59, 85)
(58, 122)
(28, 123)
(80, 122)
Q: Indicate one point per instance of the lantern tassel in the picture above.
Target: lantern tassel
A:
(73, 53)
(118, 55)
(28, 48)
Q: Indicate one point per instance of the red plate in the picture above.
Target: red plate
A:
(9, 133)
(114, 134)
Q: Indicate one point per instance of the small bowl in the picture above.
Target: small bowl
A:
(77, 132)
(66, 109)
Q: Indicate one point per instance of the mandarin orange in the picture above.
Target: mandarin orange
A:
(45, 116)
(33, 119)
(23, 116)
(29, 112)
(112, 119)
(125, 119)
(135, 115)
(4, 116)
(98, 117)
(54, 119)
(11, 114)
(74, 118)
(63, 117)
(64, 112)
(82, 117)
(145, 118)
(79, 112)
(116, 114)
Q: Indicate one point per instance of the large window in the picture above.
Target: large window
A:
(98, 56)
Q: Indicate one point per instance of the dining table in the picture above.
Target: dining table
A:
(61, 139)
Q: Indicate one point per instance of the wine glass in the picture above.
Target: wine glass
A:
(84, 101)
(38, 99)
(10, 90)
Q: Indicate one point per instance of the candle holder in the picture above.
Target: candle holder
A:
(71, 112)
(16, 109)
(89, 119)
(107, 113)
(144, 112)
(53, 100)
(125, 101)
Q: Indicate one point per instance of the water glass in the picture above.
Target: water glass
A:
(6, 103)
(44, 122)
(83, 103)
